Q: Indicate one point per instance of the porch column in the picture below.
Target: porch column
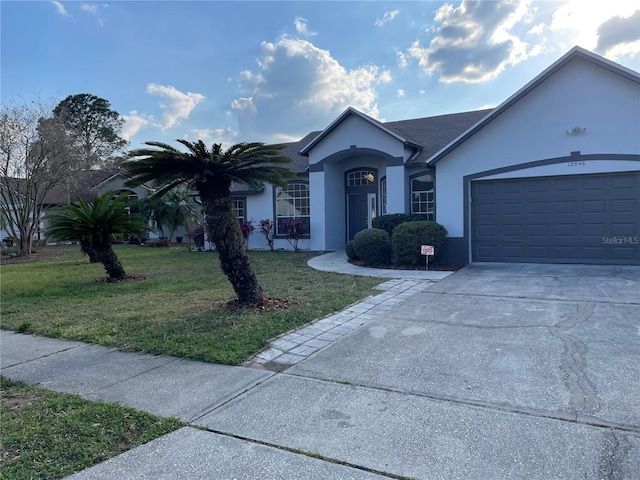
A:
(318, 213)
(396, 189)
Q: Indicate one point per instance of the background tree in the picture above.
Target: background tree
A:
(98, 223)
(94, 128)
(35, 157)
(174, 209)
(211, 172)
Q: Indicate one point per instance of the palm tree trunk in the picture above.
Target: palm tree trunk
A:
(111, 264)
(87, 249)
(224, 231)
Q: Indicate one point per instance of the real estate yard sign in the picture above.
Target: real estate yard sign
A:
(427, 250)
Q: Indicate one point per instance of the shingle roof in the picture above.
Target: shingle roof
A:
(299, 163)
(433, 133)
(84, 185)
(430, 133)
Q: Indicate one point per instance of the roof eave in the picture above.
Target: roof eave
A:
(349, 111)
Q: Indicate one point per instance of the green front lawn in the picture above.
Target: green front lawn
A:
(46, 435)
(178, 308)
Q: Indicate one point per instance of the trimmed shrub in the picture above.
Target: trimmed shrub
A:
(408, 237)
(351, 251)
(373, 246)
(391, 221)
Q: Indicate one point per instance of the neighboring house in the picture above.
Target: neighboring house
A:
(551, 175)
(89, 186)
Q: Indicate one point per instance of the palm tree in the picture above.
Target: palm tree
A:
(173, 209)
(97, 223)
(211, 172)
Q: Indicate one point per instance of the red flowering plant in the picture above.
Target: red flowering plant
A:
(266, 229)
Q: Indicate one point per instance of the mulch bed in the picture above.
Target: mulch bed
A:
(435, 267)
(266, 304)
(36, 257)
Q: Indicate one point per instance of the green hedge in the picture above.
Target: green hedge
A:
(391, 221)
(408, 237)
(351, 251)
(373, 246)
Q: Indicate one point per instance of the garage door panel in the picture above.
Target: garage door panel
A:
(626, 205)
(573, 219)
(622, 229)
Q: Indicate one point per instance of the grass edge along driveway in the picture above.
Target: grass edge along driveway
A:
(176, 303)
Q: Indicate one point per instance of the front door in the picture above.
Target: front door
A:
(361, 210)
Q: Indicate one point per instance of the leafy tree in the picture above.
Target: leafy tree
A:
(211, 172)
(175, 208)
(35, 158)
(98, 223)
(93, 126)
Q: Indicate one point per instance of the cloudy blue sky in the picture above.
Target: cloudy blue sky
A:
(269, 71)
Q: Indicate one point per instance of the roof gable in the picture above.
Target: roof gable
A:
(343, 116)
(574, 53)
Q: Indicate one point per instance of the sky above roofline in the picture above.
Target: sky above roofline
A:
(228, 72)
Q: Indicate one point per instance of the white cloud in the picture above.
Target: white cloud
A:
(402, 59)
(60, 9)
(400, 92)
(224, 136)
(88, 7)
(422, 92)
(474, 41)
(301, 27)
(386, 18)
(177, 106)
(133, 123)
(300, 87)
(582, 23)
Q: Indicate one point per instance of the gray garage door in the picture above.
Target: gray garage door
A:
(573, 219)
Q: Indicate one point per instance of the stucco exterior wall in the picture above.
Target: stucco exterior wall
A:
(356, 131)
(581, 94)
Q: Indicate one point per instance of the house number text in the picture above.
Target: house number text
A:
(581, 163)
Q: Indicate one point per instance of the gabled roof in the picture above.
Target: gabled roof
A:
(353, 112)
(574, 53)
(427, 135)
(85, 185)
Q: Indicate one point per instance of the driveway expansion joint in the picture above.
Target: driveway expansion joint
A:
(568, 417)
(298, 451)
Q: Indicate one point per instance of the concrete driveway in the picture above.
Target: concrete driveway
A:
(498, 371)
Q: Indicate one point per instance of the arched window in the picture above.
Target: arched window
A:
(423, 196)
(360, 178)
(293, 202)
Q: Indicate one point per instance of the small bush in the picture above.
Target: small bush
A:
(408, 237)
(391, 221)
(294, 230)
(373, 246)
(351, 251)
